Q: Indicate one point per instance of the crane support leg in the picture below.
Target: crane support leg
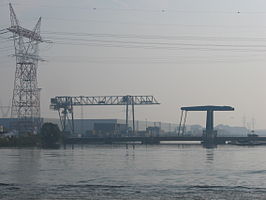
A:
(133, 117)
(184, 124)
(127, 118)
(180, 123)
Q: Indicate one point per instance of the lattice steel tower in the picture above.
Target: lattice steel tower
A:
(26, 94)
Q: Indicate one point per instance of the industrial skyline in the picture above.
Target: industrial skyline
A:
(184, 53)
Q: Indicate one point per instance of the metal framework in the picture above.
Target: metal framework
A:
(26, 94)
(65, 106)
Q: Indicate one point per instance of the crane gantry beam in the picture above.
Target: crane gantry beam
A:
(64, 101)
(64, 105)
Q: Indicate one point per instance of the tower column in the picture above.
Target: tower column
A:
(210, 134)
(209, 120)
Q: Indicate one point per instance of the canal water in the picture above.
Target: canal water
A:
(143, 172)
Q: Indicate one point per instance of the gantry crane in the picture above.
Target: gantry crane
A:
(65, 106)
(209, 134)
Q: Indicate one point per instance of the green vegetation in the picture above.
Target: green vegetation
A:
(21, 141)
(50, 135)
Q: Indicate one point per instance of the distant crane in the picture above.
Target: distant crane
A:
(65, 106)
(209, 134)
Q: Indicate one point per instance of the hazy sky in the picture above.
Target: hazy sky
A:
(184, 52)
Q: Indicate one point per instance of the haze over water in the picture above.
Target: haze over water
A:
(185, 52)
(146, 172)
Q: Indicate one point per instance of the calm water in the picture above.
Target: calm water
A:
(146, 172)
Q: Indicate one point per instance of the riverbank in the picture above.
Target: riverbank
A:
(20, 141)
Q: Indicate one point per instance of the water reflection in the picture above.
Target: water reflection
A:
(130, 151)
(27, 166)
(146, 172)
(210, 155)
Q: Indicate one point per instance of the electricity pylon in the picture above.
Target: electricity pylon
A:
(26, 94)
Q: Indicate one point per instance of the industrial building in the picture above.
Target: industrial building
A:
(105, 127)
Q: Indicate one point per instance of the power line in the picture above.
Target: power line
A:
(151, 60)
(199, 48)
(154, 24)
(149, 37)
(152, 41)
(203, 43)
(159, 43)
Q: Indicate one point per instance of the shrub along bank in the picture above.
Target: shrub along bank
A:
(49, 136)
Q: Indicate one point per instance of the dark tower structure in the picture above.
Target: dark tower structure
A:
(26, 94)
